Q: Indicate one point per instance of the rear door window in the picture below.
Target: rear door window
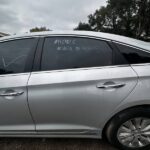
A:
(74, 52)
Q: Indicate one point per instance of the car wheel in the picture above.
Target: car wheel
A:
(130, 129)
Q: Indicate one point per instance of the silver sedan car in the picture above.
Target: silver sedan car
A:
(76, 84)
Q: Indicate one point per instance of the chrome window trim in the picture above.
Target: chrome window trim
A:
(15, 74)
(74, 35)
(76, 69)
(90, 68)
(143, 64)
(131, 46)
(79, 69)
(53, 35)
(18, 38)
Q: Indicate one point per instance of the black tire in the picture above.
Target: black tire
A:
(116, 122)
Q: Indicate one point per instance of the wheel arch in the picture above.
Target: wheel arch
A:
(126, 109)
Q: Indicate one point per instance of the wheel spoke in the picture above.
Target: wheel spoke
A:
(147, 128)
(122, 135)
(145, 123)
(140, 143)
(127, 140)
(137, 123)
(146, 133)
(125, 129)
(130, 125)
(145, 140)
(135, 142)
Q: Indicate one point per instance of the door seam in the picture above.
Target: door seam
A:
(29, 104)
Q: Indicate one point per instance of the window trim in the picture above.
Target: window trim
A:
(37, 68)
(30, 58)
(17, 38)
(131, 46)
(80, 69)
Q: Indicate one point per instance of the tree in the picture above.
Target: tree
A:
(143, 18)
(83, 26)
(36, 29)
(125, 17)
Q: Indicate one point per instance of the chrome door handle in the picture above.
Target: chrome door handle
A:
(12, 94)
(119, 85)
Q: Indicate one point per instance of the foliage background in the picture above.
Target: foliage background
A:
(124, 17)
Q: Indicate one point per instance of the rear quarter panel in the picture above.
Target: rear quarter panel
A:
(141, 93)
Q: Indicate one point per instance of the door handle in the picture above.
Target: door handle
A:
(114, 85)
(12, 94)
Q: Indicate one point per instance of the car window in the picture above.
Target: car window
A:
(73, 52)
(14, 54)
(133, 55)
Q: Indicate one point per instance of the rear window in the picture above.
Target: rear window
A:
(133, 55)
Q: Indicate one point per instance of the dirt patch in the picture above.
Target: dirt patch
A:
(53, 144)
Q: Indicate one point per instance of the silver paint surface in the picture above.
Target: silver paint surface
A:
(70, 100)
(14, 111)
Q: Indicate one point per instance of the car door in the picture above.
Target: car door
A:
(15, 64)
(77, 86)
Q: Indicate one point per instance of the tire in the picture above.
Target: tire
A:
(133, 122)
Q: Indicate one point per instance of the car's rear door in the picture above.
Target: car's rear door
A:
(16, 56)
(77, 85)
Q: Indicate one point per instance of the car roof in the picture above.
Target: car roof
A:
(107, 36)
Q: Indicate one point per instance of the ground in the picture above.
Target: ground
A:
(53, 144)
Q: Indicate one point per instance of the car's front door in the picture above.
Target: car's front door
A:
(15, 56)
(77, 86)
